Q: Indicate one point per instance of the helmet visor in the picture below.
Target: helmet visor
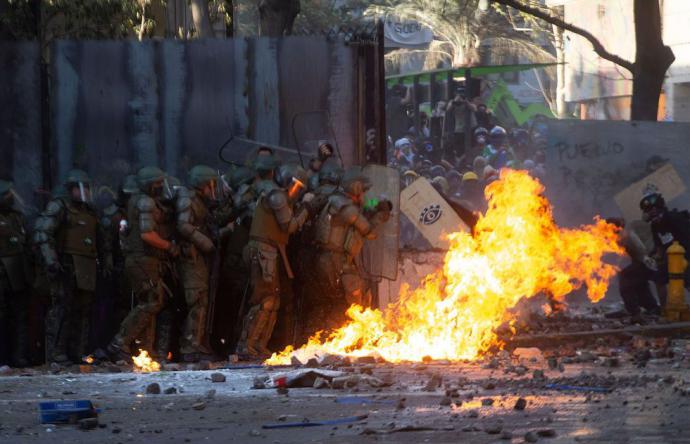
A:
(84, 192)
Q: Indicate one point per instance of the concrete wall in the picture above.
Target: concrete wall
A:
(589, 162)
(117, 105)
(20, 117)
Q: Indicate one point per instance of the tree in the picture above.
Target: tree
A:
(652, 57)
(200, 17)
(276, 17)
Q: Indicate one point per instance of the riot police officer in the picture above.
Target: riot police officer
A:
(70, 240)
(342, 229)
(14, 297)
(273, 223)
(234, 272)
(149, 250)
(196, 228)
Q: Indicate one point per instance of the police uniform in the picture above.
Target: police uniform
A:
(272, 224)
(342, 228)
(68, 236)
(146, 265)
(194, 220)
(14, 289)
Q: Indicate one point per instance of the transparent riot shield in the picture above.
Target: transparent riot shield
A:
(380, 256)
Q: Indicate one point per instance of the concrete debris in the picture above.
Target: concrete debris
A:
(321, 383)
(434, 383)
(446, 401)
(170, 391)
(345, 382)
(507, 435)
(493, 428)
(5, 370)
(260, 382)
(538, 375)
(153, 389)
(487, 402)
(199, 405)
(546, 433)
(88, 423)
(312, 363)
(304, 377)
(217, 377)
(473, 414)
(295, 362)
(528, 354)
(531, 437)
(520, 404)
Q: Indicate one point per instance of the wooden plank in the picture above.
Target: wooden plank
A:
(665, 180)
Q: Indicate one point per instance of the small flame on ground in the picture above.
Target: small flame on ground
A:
(144, 362)
(517, 252)
(88, 359)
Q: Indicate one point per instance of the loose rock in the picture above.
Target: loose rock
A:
(531, 437)
(217, 377)
(153, 389)
(446, 401)
(170, 391)
(199, 405)
(88, 423)
(546, 433)
(520, 404)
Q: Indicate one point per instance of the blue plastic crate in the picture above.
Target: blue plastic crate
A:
(65, 412)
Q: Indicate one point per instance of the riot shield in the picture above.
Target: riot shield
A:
(380, 256)
(310, 129)
(430, 213)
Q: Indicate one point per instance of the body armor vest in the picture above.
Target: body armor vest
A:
(77, 234)
(265, 225)
(165, 227)
(12, 234)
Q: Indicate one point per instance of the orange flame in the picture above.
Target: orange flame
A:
(517, 252)
(144, 363)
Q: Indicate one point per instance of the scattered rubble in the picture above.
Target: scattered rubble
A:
(153, 389)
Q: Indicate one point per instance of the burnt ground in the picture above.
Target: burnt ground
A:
(644, 396)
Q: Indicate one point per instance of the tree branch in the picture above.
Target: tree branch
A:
(596, 44)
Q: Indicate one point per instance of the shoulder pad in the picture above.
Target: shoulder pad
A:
(350, 213)
(145, 204)
(265, 186)
(54, 208)
(277, 199)
(183, 202)
(338, 201)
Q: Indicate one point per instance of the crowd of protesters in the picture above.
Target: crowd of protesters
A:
(435, 148)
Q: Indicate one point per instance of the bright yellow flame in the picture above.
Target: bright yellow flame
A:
(144, 362)
(517, 252)
(88, 359)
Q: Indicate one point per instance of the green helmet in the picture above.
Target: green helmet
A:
(290, 172)
(149, 175)
(265, 163)
(331, 174)
(5, 187)
(129, 184)
(239, 176)
(200, 175)
(355, 182)
(77, 176)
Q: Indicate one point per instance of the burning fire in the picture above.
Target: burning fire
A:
(144, 362)
(517, 252)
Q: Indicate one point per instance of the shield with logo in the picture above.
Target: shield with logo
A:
(430, 213)
(380, 256)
